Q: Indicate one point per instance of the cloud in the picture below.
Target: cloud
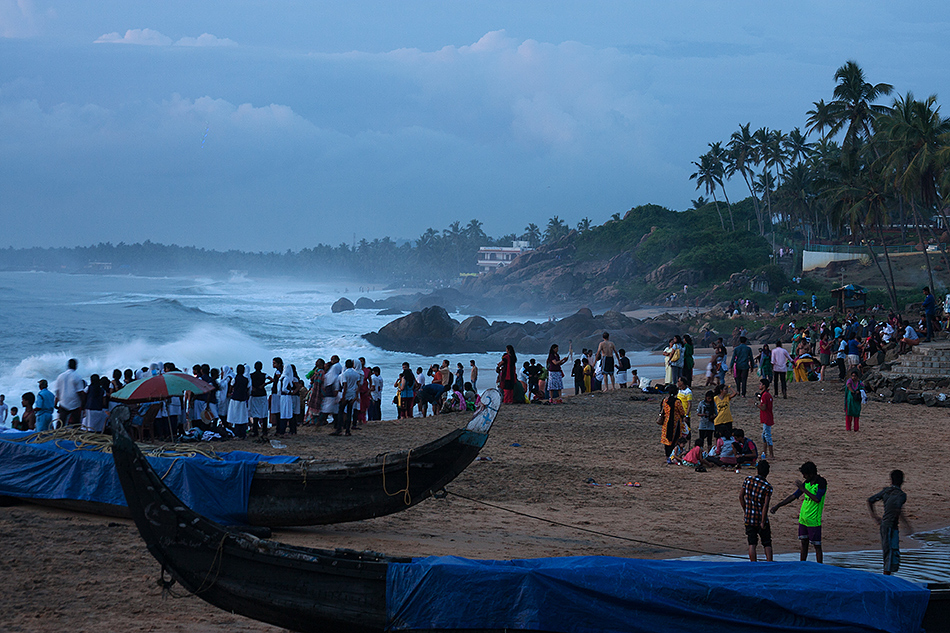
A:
(17, 19)
(142, 37)
(205, 39)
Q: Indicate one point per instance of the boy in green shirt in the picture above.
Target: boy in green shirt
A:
(813, 505)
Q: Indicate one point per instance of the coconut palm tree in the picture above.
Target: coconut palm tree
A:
(796, 147)
(532, 234)
(719, 157)
(584, 225)
(706, 176)
(699, 202)
(820, 118)
(853, 109)
(555, 230)
(742, 157)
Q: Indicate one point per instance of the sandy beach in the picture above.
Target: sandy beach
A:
(67, 571)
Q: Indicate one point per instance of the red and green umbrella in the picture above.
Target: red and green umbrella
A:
(161, 387)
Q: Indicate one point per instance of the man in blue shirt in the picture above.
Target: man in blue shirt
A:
(44, 407)
(930, 313)
(742, 362)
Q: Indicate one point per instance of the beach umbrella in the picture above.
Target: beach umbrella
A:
(161, 387)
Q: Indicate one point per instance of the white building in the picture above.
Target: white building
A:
(492, 257)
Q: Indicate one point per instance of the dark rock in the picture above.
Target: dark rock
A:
(930, 399)
(900, 395)
(915, 398)
(426, 332)
(474, 328)
(364, 303)
(342, 305)
(389, 312)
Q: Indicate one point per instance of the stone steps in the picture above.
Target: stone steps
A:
(926, 361)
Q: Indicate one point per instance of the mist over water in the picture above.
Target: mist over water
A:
(112, 322)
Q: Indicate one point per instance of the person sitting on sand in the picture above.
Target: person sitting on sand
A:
(723, 452)
(746, 451)
(470, 395)
(670, 421)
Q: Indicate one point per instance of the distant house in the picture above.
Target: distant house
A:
(492, 257)
(850, 297)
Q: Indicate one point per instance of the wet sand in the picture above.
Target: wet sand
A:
(76, 572)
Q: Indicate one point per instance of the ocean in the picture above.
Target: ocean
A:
(114, 321)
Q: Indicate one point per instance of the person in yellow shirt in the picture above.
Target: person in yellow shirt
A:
(723, 395)
(685, 396)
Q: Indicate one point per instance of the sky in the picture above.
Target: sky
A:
(268, 126)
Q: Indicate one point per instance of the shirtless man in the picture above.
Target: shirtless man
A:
(608, 351)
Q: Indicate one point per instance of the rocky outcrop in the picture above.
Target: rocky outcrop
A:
(432, 331)
(342, 305)
(904, 389)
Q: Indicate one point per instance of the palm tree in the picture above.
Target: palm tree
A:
(719, 159)
(699, 202)
(853, 109)
(820, 118)
(474, 233)
(532, 234)
(705, 176)
(796, 147)
(584, 225)
(742, 156)
(555, 230)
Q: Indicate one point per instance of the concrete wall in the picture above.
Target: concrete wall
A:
(814, 259)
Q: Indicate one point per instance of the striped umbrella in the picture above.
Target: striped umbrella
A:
(161, 387)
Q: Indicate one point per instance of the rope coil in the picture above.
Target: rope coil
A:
(407, 498)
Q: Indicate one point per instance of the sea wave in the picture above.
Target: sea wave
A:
(166, 304)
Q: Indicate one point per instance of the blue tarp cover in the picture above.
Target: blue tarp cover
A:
(56, 470)
(593, 593)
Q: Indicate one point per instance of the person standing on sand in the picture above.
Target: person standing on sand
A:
(67, 388)
(741, 363)
(670, 421)
(930, 313)
(623, 366)
(507, 369)
(813, 505)
(894, 499)
(688, 360)
(766, 417)
(257, 404)
(555, 375)
(45, 403)
(754, 498)
(781, 361)
(4, 410)
(852, 401)
(722, 396)
(473, 376)
(607, 351)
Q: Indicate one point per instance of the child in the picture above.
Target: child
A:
(894, 499)
(470, 395)
(746, 451)
(706, 412)
(766, 417)
(813, 506)
(724, 452)
(678, 455)
(15, 419)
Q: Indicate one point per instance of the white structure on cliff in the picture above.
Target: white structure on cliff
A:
(492, 257)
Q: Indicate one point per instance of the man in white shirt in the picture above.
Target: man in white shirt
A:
(376, 392)
(910, 338)
(4, 410)
(350, 391)
(781, 361)
(67, 388)
(420, 377)
(888, 332)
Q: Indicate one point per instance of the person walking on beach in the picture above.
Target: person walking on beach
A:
(754, 498)
(812, 491)
(67, 388)
(894, 499)
(781, 362)
(852, 401)
(741, 362)
(607, 351)
(45, 404)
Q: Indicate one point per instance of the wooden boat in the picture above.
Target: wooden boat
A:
(312, 492)
(304, 589)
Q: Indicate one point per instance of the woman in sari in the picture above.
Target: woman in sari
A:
(316, 392)
(852, 401)
(508, 374)
(671, 421)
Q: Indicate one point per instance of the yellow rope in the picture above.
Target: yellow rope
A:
(407, 498)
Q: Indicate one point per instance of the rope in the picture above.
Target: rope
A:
(407, 498)
(102, 443)
(218, 558)
(589, 530)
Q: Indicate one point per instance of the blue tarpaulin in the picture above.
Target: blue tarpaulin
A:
(58, 470)
(603, 594)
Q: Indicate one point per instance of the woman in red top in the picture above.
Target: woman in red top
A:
(508, 374)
